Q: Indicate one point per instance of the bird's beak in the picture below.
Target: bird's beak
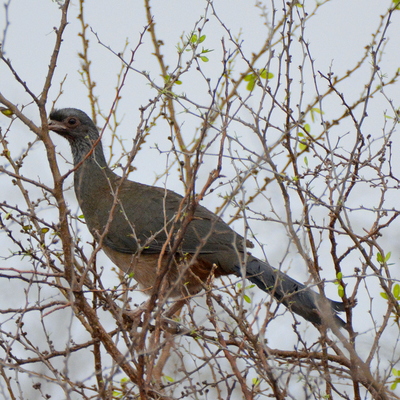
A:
(57, 126)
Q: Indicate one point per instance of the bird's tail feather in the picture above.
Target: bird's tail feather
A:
(294, 295)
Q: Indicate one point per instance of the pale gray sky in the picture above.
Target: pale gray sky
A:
(337, 37)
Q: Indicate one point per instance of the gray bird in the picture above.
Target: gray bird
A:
(132, 221)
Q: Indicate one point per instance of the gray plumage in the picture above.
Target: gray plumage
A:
(137, 230)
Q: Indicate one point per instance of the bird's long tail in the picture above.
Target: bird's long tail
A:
(294, 295)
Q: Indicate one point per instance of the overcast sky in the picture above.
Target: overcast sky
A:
(337, 36)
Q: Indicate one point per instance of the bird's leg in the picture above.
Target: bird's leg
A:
(134, 317)
(169, 323)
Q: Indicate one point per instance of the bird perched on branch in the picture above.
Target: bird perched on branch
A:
(134, 222)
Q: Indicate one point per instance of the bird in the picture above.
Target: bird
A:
(133, 222)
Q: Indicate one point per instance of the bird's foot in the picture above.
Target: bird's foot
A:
(172, 326)
(169, 320)
(133, 318)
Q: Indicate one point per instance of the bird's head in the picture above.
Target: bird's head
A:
(81, 132)
(73, 124)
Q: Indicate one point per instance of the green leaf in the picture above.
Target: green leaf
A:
(396, 291)
(341, 291)
(393, 385)
(381, 259)
(27, 228)
(167, 79)
(303, 146)
(255, 381)
(317, 110)
(339, 276)
(6, 111)
(265, 74)
(204, 58)
(252, 78)
(306, 161)
(193, 38)
(313, 111)
(202, 38)
(168, 378)
(307, 128)
(44, 230)
(250, 85)
(384, 295)
(246, 298)
(250, 286)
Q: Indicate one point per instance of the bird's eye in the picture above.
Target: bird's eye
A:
(72, 121)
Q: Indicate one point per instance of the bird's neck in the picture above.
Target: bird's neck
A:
(93, 179)
(86, 151)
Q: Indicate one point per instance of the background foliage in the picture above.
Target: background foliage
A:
(281, 117)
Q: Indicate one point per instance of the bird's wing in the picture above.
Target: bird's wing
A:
(147, 215)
